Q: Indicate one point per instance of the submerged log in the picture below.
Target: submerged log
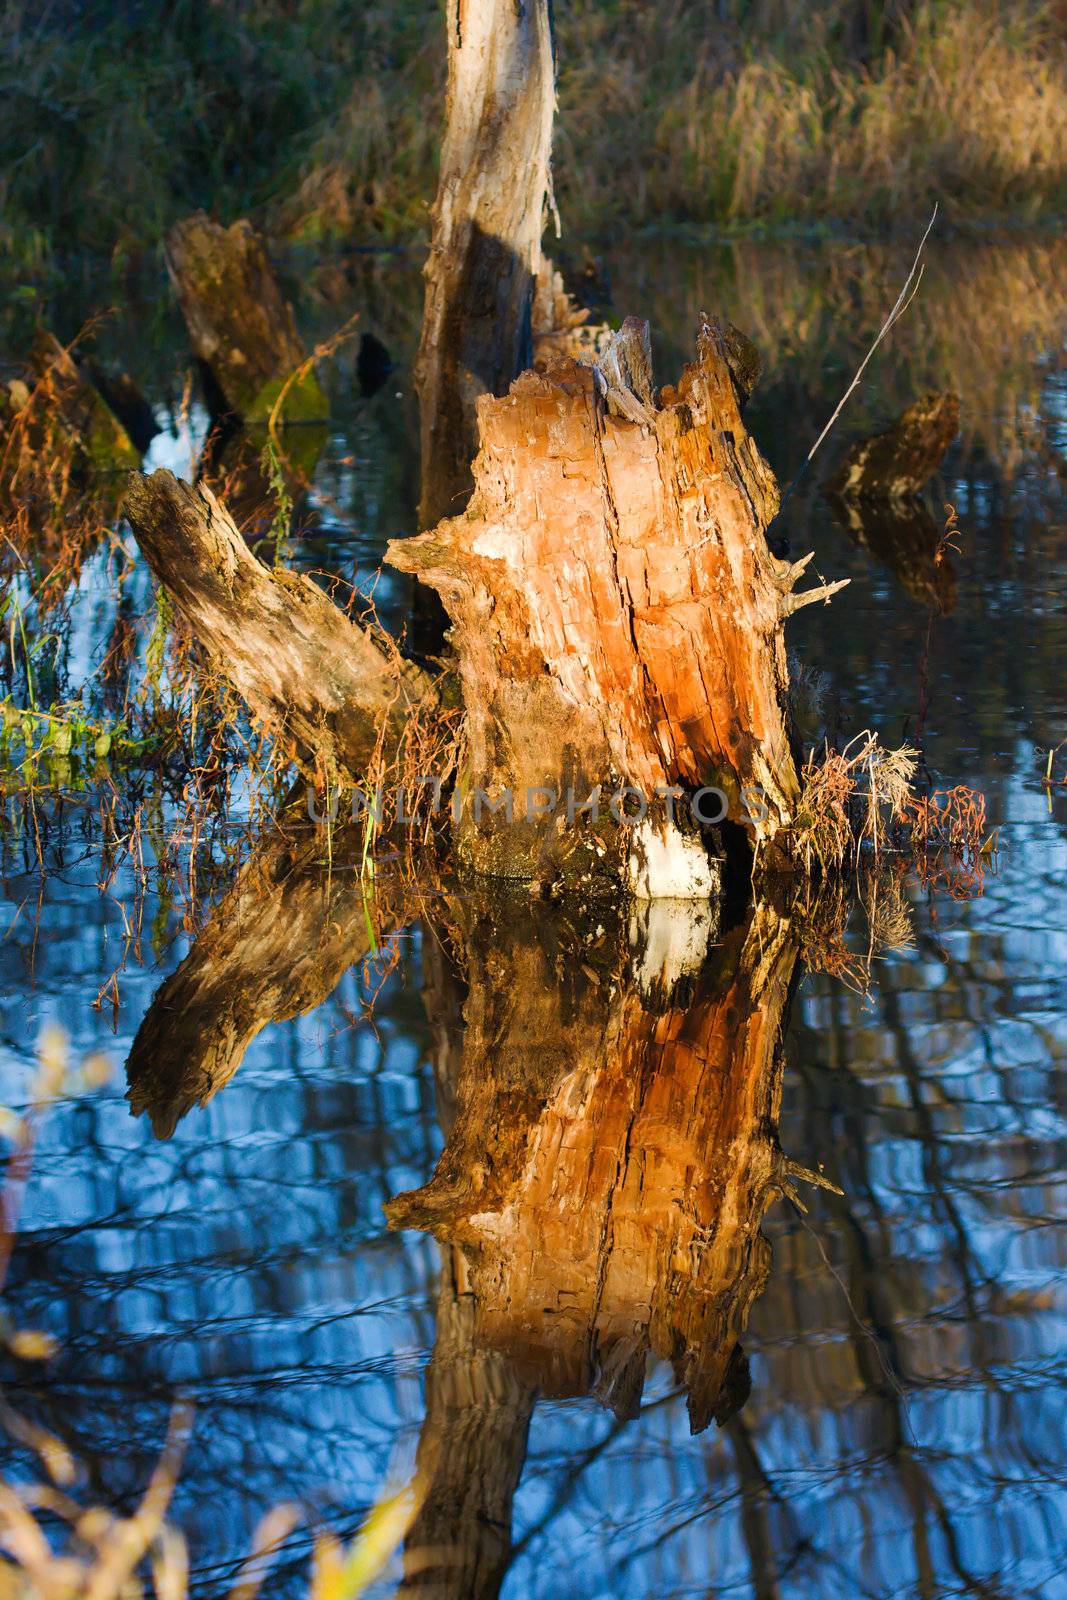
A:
(486, 241)
(338, 694)
(240, 325)
(617, 618)
(896, 464)
(614, 1153)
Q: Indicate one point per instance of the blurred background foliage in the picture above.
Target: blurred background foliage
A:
(322, 117)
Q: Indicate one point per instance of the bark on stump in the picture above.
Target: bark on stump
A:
(486, 241)
(241, 327)
(617, 618)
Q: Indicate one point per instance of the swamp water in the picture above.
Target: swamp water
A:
(890, 1421)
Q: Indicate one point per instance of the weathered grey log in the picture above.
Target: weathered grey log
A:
(332, 691)
(896, 464)
(240, 325)
(486, 242)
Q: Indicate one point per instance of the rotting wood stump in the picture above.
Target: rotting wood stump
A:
(241, 326)
(617, 619)
(617, 627)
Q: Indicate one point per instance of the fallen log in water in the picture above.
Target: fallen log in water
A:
(338, 694)
(241, 327)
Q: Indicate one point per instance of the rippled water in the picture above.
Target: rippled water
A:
(903, 1429)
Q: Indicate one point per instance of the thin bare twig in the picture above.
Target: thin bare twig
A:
(903, 301)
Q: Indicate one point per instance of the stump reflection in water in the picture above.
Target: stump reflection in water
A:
(609, 1089)
(611, 1103)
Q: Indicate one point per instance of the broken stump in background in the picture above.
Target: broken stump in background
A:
(241, 327)
(126, 401)
(561, 327)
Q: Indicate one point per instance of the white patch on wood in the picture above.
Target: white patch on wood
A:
(666, 864)
(669, 941)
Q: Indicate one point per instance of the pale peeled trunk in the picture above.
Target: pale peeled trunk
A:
(487, 221)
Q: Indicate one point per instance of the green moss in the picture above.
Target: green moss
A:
(107, 445)
(304, 401)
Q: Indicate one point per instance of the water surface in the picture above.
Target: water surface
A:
(897, 1429)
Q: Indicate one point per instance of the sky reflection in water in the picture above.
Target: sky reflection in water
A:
(903, 1435)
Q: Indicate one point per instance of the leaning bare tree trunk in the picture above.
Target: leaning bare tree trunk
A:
(485, 250)
(338, 695)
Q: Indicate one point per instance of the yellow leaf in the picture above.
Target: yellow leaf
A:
(28, 1344)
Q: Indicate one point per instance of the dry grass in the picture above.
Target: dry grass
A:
(967, 105)
(864, 796)
(738, 114)
(712, 111)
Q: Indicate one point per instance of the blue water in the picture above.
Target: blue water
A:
(904, 1431)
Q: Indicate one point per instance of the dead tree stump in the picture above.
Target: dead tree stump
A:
(240, 325)
(896, 464)
(618, 619)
